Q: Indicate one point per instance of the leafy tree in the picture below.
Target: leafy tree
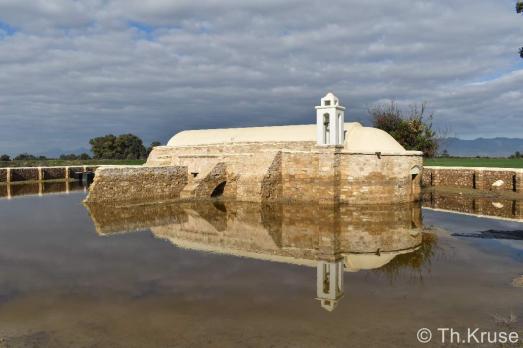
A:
(519, 9)
(84, 156)
(5, 158)
(25, 157)
(103, 147)
(413, 129)
(516, 155)
(445, 153)
(153, 145)
(71, 156)
(125, 146)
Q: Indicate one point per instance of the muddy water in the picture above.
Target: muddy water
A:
(230, 274)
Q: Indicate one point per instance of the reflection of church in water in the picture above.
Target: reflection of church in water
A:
(344, 239)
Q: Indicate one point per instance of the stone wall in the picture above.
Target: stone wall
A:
(165, 156)
(474, 178)
(20, 174)
(129, 184)
(53, 173)
(301, 172)
(373, 179)
(25, 174)
(334, 176)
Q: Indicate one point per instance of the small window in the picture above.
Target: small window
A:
(327, 102)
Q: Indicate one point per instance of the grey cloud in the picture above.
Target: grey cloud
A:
(78, 69)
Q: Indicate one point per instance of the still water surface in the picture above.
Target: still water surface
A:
(234, 274)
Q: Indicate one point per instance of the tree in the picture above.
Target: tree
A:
(153, 145)
(5, 158)
(84, 157)
(70, 157)
(125, 146)
(103, 147)
(519, 9)
(516, 155)
(25, 157)
(445, 153)
(412, 130)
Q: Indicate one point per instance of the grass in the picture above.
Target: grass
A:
(474, 162)
(440, 161)
(57, 162)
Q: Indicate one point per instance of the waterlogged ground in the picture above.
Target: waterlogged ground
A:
(230, 274)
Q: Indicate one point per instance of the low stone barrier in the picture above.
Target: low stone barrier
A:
(137, 183)
(20, 174)
(485, 179)
(24, 174)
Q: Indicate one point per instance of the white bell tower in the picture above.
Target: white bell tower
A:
(330, 121)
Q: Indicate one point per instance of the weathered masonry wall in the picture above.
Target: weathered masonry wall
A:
(137, 184)
(329, 176)
(502, 179)
(20, 174)
(265, 173)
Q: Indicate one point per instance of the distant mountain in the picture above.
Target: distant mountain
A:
(493, 147)
(56, 152)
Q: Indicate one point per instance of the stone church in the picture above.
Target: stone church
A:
(328, 162)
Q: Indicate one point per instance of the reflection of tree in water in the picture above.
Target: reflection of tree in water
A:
(414, 262)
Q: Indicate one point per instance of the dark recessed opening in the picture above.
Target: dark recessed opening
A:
(218, 190)
(220, 206)
(194, 174)
(514, 183)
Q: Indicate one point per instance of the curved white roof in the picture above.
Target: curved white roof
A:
(359, 139)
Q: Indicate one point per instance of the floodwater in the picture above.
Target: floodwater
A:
(223, 274)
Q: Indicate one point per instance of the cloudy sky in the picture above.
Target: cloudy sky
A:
(74, 69)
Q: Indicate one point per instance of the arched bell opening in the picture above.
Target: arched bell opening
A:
(218, 190)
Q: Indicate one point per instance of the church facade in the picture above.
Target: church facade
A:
(330, 162)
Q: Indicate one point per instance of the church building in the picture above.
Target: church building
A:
(329, 162)
(332, 161)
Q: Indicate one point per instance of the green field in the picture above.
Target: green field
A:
(445, 162)
(51, 163)
(474, 162)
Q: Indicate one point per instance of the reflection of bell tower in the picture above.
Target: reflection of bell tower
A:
(329, 283)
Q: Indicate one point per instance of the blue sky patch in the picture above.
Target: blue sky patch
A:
(6, 29)
(147, 29)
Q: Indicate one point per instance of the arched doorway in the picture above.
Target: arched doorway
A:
(218, 190)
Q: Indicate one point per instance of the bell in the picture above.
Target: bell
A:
(519, 6)
(521, 52)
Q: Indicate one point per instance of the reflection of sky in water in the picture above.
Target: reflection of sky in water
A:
(458, 223)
